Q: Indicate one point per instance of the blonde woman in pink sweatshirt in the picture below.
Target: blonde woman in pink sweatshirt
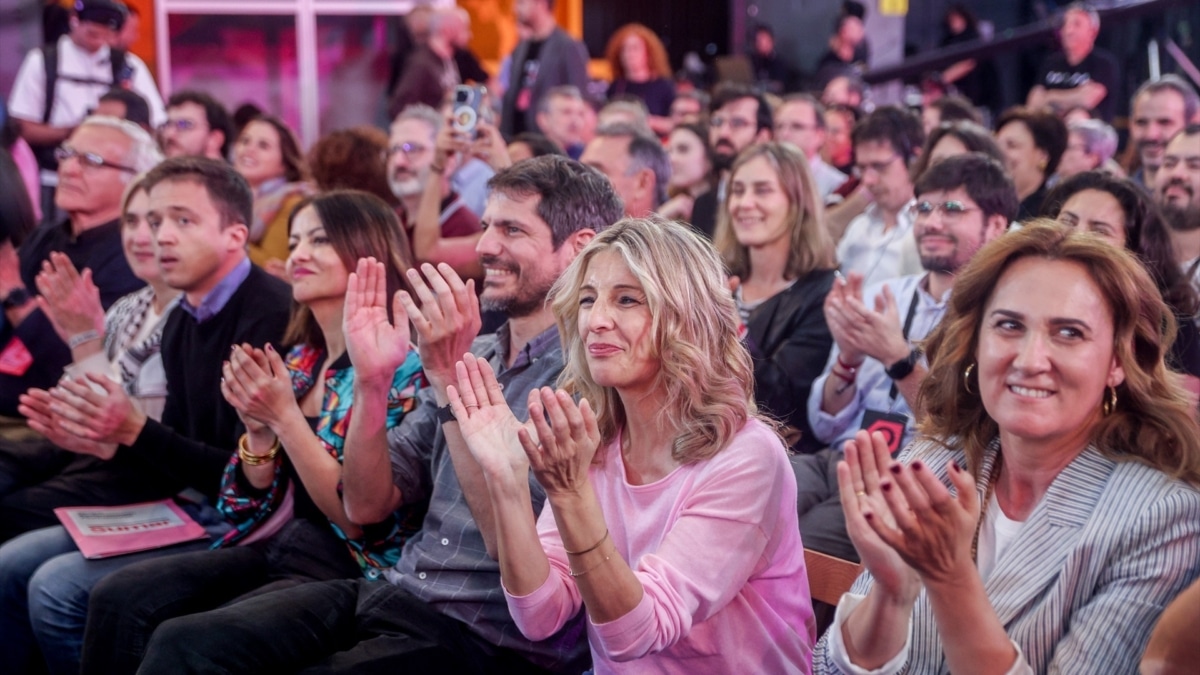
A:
(672, 516)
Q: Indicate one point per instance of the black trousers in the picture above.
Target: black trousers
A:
(822, 523)
(128, 605)
(350, 626)
(37, 477)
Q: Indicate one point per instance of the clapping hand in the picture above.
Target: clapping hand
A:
(569, 436)
(493, 434)
(446, 322)
(69, 299)
(860, 330)
(258, 386)
(36, 405)
(862, 477)
(97, 409)
(930, 529)
(376, 345)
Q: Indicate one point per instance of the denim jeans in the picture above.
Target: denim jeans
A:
(44, 587)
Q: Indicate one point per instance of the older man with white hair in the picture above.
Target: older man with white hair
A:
(95, 164)
(1082, 75)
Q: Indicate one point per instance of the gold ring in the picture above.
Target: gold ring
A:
(860, 493)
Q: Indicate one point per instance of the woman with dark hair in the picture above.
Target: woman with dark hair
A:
(691, 170)
(1032, 142)
(296, 409)
(267, 154)
(1119, 211)
(949, 139)
(773, 238)
(640, 68)
(670, 513)
(1073, 514)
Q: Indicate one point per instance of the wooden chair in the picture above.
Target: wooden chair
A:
(829, 577)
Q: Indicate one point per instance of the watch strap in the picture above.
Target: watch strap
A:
(445, 414)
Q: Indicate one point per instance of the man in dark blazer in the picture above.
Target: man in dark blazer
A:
(549, 57)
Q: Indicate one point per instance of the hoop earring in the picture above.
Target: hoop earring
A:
(1110, 401)
(967, 378)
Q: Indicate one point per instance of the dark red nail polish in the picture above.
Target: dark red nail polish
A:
(955, 466)
(895, 468)
(917, 466)
(885, 486)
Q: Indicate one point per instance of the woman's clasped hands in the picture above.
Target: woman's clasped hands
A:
(258, 386)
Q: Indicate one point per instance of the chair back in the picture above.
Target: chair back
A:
(829, 577)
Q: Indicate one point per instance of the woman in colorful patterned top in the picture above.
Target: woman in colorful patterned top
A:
(296, 410)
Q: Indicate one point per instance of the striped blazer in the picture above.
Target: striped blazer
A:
(1082, 584)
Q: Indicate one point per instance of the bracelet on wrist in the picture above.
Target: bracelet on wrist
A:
(576, 575)
(83, 338)
(589, 549)
(851, 368)
(250, 459)
(848, 378)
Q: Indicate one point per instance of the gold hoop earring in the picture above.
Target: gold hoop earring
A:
(1110, 401)
(967, 378)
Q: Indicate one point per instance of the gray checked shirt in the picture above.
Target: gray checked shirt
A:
(446, 564)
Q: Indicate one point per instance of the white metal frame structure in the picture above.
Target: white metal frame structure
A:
(305, 13)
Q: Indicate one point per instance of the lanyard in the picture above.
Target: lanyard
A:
(908, 321)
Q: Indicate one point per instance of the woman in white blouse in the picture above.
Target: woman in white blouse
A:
(1072, 515)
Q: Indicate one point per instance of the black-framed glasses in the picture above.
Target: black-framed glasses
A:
(409, 149)
(88, 159)
(180, 125)
(949, 209)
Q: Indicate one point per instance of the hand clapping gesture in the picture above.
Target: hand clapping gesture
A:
(376, 345)
(493, 434)
(96, 409)
(860, 330)
(908, 512)
(36, 407)
(69, 299)
(258, 386)
(446, 322)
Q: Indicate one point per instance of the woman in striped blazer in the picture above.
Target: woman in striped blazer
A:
(1072, 515)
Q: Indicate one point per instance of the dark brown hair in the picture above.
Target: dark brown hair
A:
(359, 225)
(295, 169)
(1151, 423)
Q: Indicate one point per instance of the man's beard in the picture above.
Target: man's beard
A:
(724, 155)
(407, 187)
(529, 297)
(1182, 218)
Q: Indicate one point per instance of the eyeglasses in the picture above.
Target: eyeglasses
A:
(90, 160)
(949, 209)
(878, 167)
(177, 125)
(734, 123)
(409, 149)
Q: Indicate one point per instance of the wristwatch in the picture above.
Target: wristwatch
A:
(17, 297)
(904, 367)
(445, 414)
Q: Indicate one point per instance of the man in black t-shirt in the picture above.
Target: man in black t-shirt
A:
(548, 58)
(1082, 75)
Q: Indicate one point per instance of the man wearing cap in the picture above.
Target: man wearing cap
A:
(86, 68)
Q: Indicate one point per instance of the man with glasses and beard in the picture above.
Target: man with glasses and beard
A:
(875, 369)
(740, 118)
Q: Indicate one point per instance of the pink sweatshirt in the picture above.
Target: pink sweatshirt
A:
(716, 546)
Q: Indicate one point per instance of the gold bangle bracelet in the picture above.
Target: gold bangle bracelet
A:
(591, 548)
(576, 575)
(256, 460)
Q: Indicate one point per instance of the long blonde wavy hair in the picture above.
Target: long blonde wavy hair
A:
(705, 371)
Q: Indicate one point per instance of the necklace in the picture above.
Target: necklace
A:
(987, 498)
